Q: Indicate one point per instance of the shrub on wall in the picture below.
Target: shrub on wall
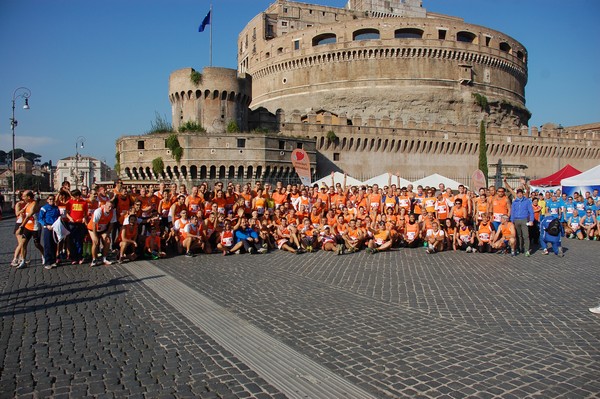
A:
(196, 77)
(157, 166)
(191, 126)
(232, 127)
(175, 147)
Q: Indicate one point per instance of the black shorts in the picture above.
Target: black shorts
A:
(28, 234)
(17, 225)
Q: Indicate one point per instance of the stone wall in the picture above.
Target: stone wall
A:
(221, 96)
(212, 156)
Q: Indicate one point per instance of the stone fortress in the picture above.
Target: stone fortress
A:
(381, 85)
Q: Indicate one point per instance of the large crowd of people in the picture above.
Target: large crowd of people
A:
(124, 223)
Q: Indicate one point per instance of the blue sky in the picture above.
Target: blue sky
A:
(99, 69)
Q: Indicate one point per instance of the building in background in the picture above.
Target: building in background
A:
(82, 170)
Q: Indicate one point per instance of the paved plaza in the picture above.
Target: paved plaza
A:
(401, 324)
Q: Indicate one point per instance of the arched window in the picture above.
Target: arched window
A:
(365, 34)
(408, 33)
(465, 37)
(325, 38)
(193, 172)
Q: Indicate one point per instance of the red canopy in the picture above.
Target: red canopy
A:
(555, 178)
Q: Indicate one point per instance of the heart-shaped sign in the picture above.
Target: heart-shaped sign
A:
(299, 156)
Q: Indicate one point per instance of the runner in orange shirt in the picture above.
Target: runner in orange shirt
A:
(381, 240)
(193, 237)
(435, 238)
(353, 237)
(412, 229)
(500, 206)
(100, 227)
(128, 238)
(505, 237)
(464, 239)
(485, 233)
(29, 228)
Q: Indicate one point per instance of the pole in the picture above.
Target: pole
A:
(13, 123)
(210, 38)
(25, 93)
(76, 166)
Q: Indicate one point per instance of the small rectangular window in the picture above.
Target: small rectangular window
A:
(140, 144)
(487, 41)
(283, 23)
(285, 9)
(241, 143)
(296, 44)
(442, 34)
(336, 156)
(299, 145)
(281, 144)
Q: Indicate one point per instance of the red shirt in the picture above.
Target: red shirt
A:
(77, 209)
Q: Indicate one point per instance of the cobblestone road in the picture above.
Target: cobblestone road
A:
(398, 324)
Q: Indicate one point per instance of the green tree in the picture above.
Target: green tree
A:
(30, 182)
(483, 162)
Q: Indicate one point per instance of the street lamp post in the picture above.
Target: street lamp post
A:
(25, 93)
(560, 130)
(78, 143)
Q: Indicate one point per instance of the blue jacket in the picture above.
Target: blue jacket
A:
(244, 234)
(521, 209)
(48, 215)
(547, 237)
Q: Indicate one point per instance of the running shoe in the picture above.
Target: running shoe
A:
(595, 310)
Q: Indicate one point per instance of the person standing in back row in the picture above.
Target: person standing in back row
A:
(522, 216)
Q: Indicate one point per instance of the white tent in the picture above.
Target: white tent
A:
(586, 181)
(382, 180)
(434, 180)
(338, 178)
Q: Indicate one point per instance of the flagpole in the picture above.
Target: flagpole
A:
(210, 39)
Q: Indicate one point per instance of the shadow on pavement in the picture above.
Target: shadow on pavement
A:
(19, 307)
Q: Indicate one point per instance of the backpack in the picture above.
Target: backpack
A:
(553, 227)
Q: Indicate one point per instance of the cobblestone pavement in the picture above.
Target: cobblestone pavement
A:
(398, 324)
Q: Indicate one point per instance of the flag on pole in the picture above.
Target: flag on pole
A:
(205, 21)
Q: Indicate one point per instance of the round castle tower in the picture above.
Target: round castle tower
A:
(213, 98)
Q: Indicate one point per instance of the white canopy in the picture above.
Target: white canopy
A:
(382, 180)
(434, 180)
(590, 177)
(338, 178)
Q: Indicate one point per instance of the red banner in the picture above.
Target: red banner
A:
(301, 163)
